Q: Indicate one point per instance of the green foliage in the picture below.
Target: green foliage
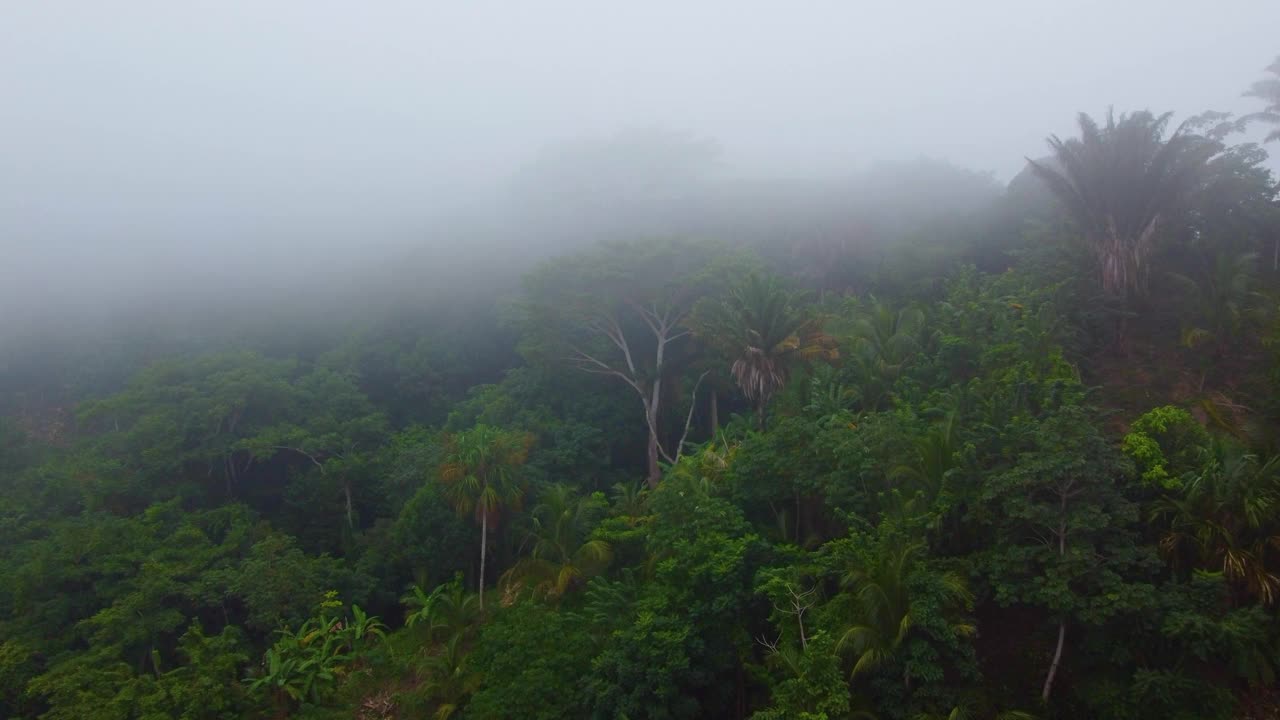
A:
(446, 612)
(932, 523)
(533, 660)
(562, 555)
(811, 685)
(889, 597)
(306, 664)
(1165, 443)
(1225, 517)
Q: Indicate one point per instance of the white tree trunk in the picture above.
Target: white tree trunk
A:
(655, 401)
(1053, 667)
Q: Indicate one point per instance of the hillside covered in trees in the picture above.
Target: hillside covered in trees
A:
(903, 445)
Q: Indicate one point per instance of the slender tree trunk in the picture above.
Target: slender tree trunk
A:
(484, 547)
(741, 692)
(346, 490)
(760, 422)
(797, 517)
(1053, 667)
(715, 413)
(1062, 624)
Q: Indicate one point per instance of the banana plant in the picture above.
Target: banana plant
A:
(305, 665)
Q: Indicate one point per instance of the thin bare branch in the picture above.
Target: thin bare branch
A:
(303, 453)
(693, 398)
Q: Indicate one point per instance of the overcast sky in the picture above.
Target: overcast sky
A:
(177, 125)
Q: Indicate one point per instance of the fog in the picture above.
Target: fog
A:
(162, 154)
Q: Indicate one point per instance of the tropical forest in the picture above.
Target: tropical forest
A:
(909, 443)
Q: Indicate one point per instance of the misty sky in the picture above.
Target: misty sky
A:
(190, 128)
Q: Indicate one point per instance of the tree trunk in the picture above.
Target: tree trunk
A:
(1053, 667)
(760, 423)
(346, 490)
(798, 543)
(484, 546)
(715, 413)
(651, 410)
(1062, 624)
(655, 472)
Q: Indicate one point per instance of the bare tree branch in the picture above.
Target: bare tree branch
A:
(693, 403)
(303, 453)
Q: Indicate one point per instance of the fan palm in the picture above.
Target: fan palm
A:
(759, 325)
(1120, 181)
(481, 473)
(562, 554)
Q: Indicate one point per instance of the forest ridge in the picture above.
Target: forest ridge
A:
(1013, 455)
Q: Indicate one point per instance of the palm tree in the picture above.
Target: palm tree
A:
(883, 607)
(481, 473)
(449, 608)
(759, 326)
(1223, 298)
(1119, 182)
(562, 555)
(1227, 519)
(934, 456)
(884, 340)
(1267, 90)
(448, 681)
(629, 501)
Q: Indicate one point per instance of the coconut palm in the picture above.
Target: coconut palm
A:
(883, 608)
(562, 555)
(759, 326)
(1119, 182)
(481, 473)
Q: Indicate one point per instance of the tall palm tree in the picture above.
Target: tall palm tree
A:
(1120, 181)
(562, 554)
(760, 326)
(883, 608)
(1267, 90)
(481, 474)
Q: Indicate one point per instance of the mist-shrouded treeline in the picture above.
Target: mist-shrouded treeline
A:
(648, 422)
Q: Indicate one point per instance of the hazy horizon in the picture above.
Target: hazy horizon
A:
(156, 144)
